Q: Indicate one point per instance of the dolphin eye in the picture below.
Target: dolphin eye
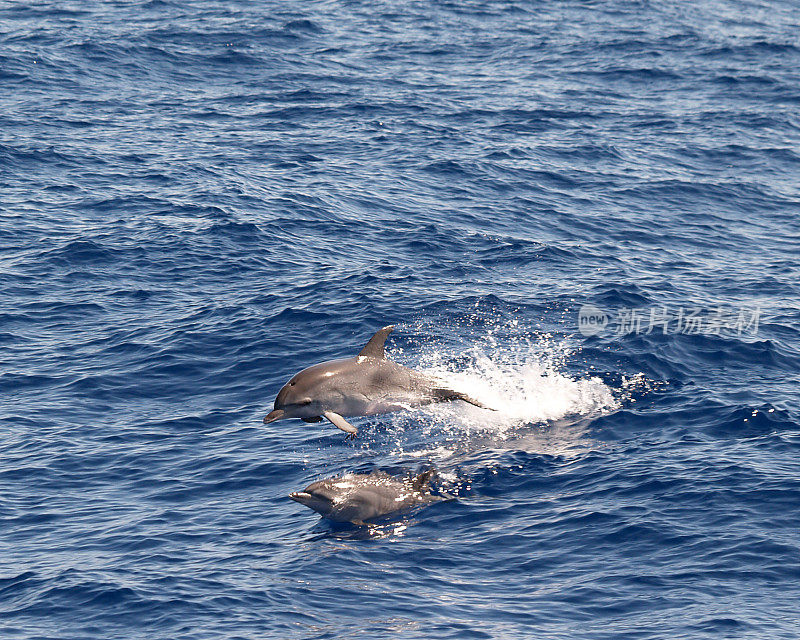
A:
(291, 384)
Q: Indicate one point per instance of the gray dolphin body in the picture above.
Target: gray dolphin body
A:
(366, 385)
(357, 498)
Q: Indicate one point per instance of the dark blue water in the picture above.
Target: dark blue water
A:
(198, 199)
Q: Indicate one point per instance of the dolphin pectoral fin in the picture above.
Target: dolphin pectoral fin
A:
(374, 348)
(314, 419)
(340, 422)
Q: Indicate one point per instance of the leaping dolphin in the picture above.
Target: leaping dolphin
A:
(356, 498)
(366, 385)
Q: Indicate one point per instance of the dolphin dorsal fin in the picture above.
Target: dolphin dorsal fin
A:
(374, 348)
(423, 479)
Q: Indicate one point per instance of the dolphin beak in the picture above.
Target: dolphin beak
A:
(272, 416)
(300, 496)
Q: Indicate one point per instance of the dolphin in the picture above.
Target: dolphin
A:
(365, 385)
(356, 498)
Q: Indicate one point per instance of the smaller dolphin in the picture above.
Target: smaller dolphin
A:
(366, 385)
(356, 498)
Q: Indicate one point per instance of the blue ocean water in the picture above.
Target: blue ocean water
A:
(198, 199)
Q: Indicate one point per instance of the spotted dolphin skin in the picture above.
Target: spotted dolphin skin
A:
(358, 498)
(365, 385)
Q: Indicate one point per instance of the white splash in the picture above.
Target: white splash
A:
(523, 381)
(538, 407)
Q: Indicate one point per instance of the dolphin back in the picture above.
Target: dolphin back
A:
(357, 498)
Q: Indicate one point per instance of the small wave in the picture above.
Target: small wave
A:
(81, 252)
(303, 26)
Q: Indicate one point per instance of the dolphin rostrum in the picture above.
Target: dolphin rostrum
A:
(356, 498)
(366, 385)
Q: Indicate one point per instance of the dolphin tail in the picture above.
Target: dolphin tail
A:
(473, 401)
(449, 394)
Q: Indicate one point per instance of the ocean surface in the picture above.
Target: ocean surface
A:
(585, 214)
